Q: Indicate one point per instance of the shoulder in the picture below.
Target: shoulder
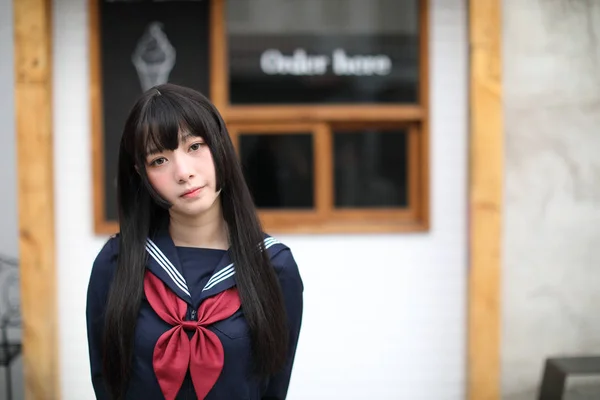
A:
(282, 259)
(109, 252)
(273, 246)
(105, 264)
(278, 252)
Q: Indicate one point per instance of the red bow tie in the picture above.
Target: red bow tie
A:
(174, 351)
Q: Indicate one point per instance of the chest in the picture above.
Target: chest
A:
(233, 333)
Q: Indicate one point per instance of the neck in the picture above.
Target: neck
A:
(207, 230)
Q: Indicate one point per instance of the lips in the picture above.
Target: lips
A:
(192, 192)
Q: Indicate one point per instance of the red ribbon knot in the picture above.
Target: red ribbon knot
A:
(174, 352)
(189, 325)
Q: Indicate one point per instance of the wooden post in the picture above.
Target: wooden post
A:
(485, 199)
(33, 105)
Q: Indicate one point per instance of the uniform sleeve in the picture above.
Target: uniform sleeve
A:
(292, 287)
(102, 272)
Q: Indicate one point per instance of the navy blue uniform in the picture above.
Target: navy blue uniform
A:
(195, 276)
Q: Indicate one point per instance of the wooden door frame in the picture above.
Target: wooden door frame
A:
(33, 97)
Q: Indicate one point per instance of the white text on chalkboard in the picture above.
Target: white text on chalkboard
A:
(273, 62)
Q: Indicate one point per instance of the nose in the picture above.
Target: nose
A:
(183, 170)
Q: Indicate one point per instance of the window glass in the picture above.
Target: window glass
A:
(370, 169)
(279, 169)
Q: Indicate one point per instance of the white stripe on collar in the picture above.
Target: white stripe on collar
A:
(164, 262)
(229, 271)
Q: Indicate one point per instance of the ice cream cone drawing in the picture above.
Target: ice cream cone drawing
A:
(154, 57)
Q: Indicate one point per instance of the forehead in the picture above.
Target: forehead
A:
(183, 136)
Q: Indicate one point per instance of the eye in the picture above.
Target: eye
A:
(158, 161)
(196, 146)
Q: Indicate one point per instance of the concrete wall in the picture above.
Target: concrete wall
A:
(551, 274)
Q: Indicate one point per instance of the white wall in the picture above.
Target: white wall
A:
(551, 274)
(384, 314)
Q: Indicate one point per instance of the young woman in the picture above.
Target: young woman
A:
(191, 299)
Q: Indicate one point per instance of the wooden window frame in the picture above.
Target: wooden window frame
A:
(321, 119)
(295, 220)
(101, 224)
(324, 119)
(325, 218)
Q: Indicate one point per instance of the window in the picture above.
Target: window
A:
(326, 101)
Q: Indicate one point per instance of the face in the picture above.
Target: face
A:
(185, 177)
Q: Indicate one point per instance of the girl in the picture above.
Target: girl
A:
(190, 300)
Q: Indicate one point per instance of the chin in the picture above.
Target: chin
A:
(197, 208)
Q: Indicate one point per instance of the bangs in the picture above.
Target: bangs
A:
(167, 119)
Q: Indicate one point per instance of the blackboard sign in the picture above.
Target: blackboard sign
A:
(323, 69)
(142, 44)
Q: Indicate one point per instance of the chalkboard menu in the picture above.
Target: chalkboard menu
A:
(322, 52)
(143, 44)
(323, 68)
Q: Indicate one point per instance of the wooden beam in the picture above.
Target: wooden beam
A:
(485, 199)
(33, 106)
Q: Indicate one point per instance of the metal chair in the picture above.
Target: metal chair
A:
(10, 318)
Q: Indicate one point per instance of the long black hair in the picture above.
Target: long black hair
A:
(155, 121)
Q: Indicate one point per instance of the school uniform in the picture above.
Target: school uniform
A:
(191, 337)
